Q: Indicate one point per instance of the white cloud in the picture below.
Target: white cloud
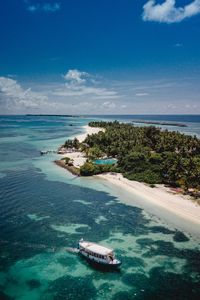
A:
(168, 12)
(83, 84)
(109, 105)
(46, 7)
(179, 95)
(75, 77)
(12, 95)
(141, 94)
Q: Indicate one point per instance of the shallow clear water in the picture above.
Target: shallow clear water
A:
(44, 210)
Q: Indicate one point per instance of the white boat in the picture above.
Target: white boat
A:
(98, 254)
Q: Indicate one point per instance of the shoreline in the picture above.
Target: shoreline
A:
(78, 157)
(177, 204)
(163, 197)
(71, 169)
(88, 131)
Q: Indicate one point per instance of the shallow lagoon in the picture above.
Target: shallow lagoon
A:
(44, 210)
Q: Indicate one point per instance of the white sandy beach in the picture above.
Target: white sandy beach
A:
(160, 196)
(78, 157)
(88, 131)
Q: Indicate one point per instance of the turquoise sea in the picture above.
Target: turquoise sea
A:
(44, 210)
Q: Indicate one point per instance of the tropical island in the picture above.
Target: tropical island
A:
(160, 166)
(159, 123)
(144, 154)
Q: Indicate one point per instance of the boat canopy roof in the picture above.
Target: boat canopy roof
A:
(96, 248)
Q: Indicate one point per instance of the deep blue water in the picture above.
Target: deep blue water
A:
(44, 210)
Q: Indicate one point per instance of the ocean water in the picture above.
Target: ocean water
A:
(192, 122)
(44, 210)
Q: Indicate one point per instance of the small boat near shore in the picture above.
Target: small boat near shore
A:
(98, 254)
(42, 152)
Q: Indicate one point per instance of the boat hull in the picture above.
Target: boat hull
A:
(97, 255)
(100, 264)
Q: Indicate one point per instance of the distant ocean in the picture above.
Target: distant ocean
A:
(191, 121)
(172, 118)
(44, 210)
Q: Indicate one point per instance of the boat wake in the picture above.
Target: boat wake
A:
(72, 250)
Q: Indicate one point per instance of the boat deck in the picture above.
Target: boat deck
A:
(95, 248)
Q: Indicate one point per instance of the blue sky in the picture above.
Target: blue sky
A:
(90, 56)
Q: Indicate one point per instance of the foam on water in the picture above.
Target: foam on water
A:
(36, 218)
(82, 202)
(71, 228)
(100, 219)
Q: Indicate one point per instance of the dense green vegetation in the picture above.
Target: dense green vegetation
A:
(66, 160)
(146, 154)
(72, 143)
(89, 169)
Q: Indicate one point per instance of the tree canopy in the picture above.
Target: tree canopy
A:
(149, 154)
